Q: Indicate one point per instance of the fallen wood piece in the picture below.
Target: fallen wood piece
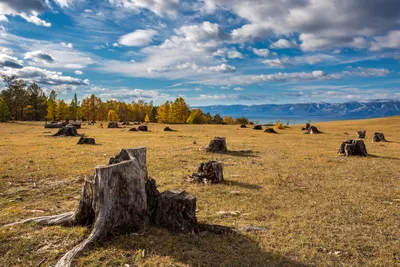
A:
(353, 148)
(211, 171)
(133, 129)
(217, 145)
(379, 137)
(52, 125)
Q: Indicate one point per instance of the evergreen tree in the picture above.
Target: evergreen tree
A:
(36, 102)
(73, 108)
(15, 96)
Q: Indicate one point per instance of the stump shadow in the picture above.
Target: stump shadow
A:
(243, 185)
(241, 153)
(204, 249)
(381, 157)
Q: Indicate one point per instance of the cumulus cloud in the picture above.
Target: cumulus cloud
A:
(283, 43)
(137, 38)
(78, 72)
(261, 52)
(392, 40)
(40, 56)
(277, 62)
(133, 94)
(69, 45)
(28, 10)
(43, 76)
(160, 7)
(235, 54)
(223, 68)
(11, 62)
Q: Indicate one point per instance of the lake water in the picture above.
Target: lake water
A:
(294, 120)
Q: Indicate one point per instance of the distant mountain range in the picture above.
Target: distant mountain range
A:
(349, 110)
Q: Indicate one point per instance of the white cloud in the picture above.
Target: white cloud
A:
(3, 18)
(392, 40)
(223, 68)
(35, 20)
(137, 38)
(235, 54)
(63, 3)
(69, 45)
(78, 72)
(132, 94)
(159, 7)
(10, 62)
(40, 56)
(277, 62)
(283, 43)
(261, 52)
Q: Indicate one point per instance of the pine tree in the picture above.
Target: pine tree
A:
(73, 108)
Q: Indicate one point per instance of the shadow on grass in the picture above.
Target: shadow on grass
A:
(241, 153)
(381, 157)
(230, 249)
(244, 185)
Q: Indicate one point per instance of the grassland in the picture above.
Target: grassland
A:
(317, 208)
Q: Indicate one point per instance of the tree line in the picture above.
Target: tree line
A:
(22, 102)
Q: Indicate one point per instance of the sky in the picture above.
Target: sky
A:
(207, 51)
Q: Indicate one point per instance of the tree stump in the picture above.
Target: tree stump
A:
(113, 125)
(53, 125)
(257, 127)
(353, 148)
(217, 145)
(270, 130)
(307, 126)
(143, 128)
(77, 125)
(361, 134)
(312, 130)
(167, 129)
(211, 171)
(126, 123)
(176, 211)
(68, 130)
(379, 137)
(133, 129)
(243, 126)
(86, 141)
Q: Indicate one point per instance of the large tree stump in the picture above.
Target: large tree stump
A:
(211, 171)
(113, 125)
(379, 137)
(257, 127)
(68, 130)
(86, 141)
(353, 148)
(217, 145)
(176, 211)
(361, 134)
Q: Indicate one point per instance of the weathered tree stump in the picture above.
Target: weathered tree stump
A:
(353, 148)
(136, 123)
(176, 211)
(113, 125)
(77, 125)
(86, 141)
(68, 130)
(312, 130)
(379, 137)
(217, 145)
(361, 134)
(143, 128)
(133, 129)
(243, 126)
(126, 123)
(211, 171)
(307, 126)
(270, 130)
(167, 129)
(257, 127)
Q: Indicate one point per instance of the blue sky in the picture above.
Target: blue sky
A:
(208, 51)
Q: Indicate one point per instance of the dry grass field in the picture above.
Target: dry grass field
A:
(317, 208)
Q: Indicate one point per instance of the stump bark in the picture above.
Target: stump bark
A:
(353, 148)
(86, 141)
(312, 130)
(243, 126)
(379, 137)
(270, 130)
(113, 125)
(211, 171)
(217, 145)
(143, 128)
(68, 130)
(257, 127)
(361, 134)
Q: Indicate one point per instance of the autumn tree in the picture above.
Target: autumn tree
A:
(52, 106)
(163, 113)
(147, 118)
(112, 115)
(62, 110)
(4, 111)
(73, 108)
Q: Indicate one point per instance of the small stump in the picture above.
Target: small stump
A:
(270, 130)
(86, 141)
(68, 130)
(133, 129)
(167, 129)
(77, 125)
(257, 127)
(217, 145)
(143, 128)
(353, 148)
(176, 211)
(113, 125)
(243, 126)
(126, 123)
(211, 171)
(312, 130)
(361, 134)
(379, 137)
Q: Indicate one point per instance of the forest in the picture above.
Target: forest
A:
(22, 102)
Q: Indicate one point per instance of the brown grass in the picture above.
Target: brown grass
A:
(318, 208)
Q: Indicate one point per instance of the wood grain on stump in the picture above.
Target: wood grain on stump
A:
(379, 137)
(217, 145)
(211, 171)
(353, 148)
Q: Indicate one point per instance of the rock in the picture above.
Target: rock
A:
(217, 145)
(257, 127)
(211, 171)
(353, 148)
(143, 128)
(113, 125)
(379, 137)
(68, 130)
(86, 141)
